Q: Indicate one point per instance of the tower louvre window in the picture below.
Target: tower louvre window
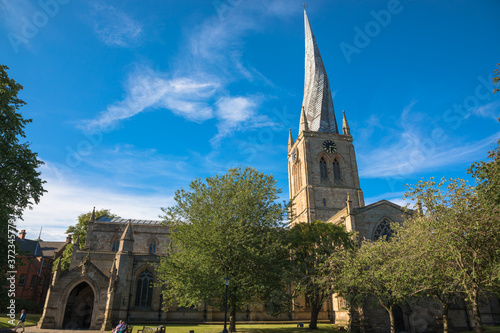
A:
(336, 171)
(322, 168)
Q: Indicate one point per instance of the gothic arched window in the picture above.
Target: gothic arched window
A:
(322, 168)
(144, 289)
(383, 229)
(152, 246)
(336, 170)
(115, 244)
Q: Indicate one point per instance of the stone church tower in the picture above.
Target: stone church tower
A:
(321, 162)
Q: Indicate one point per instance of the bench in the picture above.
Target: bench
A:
(159, 329)
(127, 329)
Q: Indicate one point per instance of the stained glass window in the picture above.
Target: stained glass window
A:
(383, 229)
(144, 290)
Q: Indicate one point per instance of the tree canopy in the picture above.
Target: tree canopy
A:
(465, 230)
(378, 269)
(21, 184)
(227, 225)
(312, 245)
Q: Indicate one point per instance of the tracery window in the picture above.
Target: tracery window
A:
(336, 170)
(383, 229)
(144, 289)
(115, 244)
(322, 168)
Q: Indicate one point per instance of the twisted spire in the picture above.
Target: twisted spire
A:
(317, 102)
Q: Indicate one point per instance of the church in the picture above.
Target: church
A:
(112, 277)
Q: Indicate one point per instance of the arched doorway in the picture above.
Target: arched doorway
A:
(79, 307)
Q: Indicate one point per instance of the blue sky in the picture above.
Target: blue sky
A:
(131, 100)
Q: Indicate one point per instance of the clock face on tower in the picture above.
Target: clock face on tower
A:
(329, 146)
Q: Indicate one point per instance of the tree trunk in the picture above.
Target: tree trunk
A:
(232, 319)
(314, 317)
(351, 323)
(361, 312)
(478, 327)
(445, 318)
(392, 319)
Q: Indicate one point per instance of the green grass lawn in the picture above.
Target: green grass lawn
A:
(264, 328)
(31, 320)
(488, 329)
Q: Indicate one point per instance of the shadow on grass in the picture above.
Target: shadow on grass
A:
(31, 320)
(257, 328)
(487, 329)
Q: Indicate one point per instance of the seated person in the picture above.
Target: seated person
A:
(118, 327)
(123, 328)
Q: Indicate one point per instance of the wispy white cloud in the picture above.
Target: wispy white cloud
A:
(238, 114)
(490, 110)
(66, 199)
(142, 169)
(198, 90)
(114, 27)
(412, 149)
(15, 14)
(147, 89)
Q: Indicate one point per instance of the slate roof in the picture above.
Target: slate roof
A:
(125, 221)
(44, 249)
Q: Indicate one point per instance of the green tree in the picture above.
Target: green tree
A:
(377, 269)
(79, 232)
(21, 185)
(313, 245)
(466, 233)
(431, 273)
(227, 225)
(65, 258)
(487, 176)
